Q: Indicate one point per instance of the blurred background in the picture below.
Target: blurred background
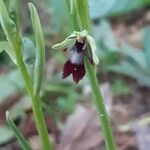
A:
(122, 32)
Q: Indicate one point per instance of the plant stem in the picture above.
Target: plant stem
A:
(102, 114)
(37, 110)
(82, 10)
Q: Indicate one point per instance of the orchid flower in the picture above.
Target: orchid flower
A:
(78, 43)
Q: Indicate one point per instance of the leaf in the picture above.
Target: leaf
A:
(18, 110)
(146, 44)
(5, 134)
(135, 54)
(103, 8)
(108, 57)
(23, 142)
(4, 45)
(92, 44)
(124, 6)
(58, 14)
(28, 51)
(128, 69)
(9, 84)
(104, 36)
(99, 8)
(7, 24)
(40, 47)
(71, 6)
(10, 30)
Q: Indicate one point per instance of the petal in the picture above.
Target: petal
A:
(66, 44)
(81, 35)
(76, 58)
(92, 44)
(78, 72)
(67, 70)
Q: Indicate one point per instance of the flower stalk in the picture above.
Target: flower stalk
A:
(81, 7)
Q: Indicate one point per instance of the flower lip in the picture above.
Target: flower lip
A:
(77, 71)
(76, 58)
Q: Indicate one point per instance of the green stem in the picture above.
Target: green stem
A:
(37, 110)
(82, 10)
(72, 14)
(102, 114)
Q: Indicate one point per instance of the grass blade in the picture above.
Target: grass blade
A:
(40, 53)
(23, 142)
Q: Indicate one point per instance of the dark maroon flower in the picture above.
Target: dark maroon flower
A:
(75, 65)
(77, 44)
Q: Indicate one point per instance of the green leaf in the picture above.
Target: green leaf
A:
(9, 84)
(40, 47)
(99, 8)
(104, 36)
(5, 134)
(23, 142)
(135, 54)
(8, 25)
(13, 10)
(146, 44)
(103, 8)
(124, 6)
(92, 44)
(71, 6)
(58, 12)
(4, 45)
(107, 58)
(28, 51)
(130, 70)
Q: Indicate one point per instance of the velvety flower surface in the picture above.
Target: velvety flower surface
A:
(77, 43)
(77, 71)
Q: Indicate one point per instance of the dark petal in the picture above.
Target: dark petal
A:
(67, 70)
(79, 46)
(78, 72)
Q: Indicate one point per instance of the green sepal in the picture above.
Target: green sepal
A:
(81, 35)
(93, 47)
(67, 43)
